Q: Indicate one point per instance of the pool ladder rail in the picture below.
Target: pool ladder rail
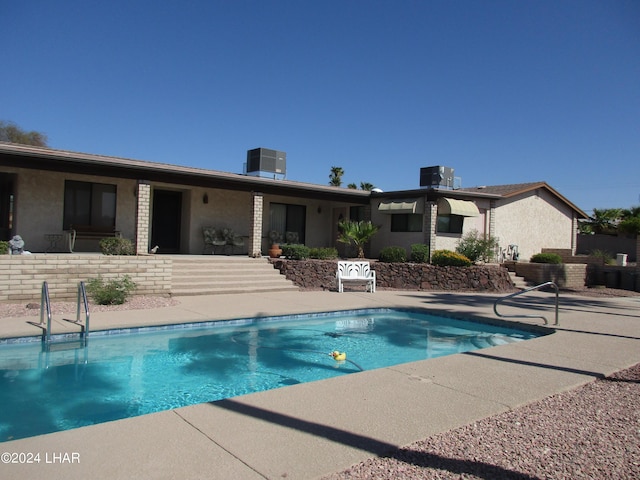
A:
(537, 287)
(45, 309)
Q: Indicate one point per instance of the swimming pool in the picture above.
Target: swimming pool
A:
(126, 373)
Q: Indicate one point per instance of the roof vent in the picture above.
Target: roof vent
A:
(263, 162)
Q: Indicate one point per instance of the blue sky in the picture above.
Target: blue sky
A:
(501, 91)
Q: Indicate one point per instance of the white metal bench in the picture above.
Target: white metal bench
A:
(356, 272)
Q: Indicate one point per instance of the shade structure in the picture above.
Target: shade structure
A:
(452, 206)
(404, 205)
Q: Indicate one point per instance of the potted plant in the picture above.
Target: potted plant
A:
(275, 251)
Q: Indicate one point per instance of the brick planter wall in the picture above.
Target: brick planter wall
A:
(321, 274)
(564, 275)
(22, 275)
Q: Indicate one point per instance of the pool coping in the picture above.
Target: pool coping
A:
(347, 419)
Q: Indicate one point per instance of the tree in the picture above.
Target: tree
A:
(358, 233)
(367, 186)
(352, 186)
(605, 220)
(335, 177)
(10, 132)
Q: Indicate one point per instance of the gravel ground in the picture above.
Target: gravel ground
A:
(592, 432)
(136, 302)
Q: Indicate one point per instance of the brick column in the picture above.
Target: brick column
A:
(492, 218)
(430, 219)
(143, 220)
(255, 228)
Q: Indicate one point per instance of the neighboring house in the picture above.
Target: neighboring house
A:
(45, 192)
(530, 215)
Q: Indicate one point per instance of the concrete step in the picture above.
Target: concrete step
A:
(518, 282)
(210, 275)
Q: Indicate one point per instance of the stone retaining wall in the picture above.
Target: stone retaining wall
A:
(321, 275)
(22, 275)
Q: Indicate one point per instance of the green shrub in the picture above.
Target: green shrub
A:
(475, 247)
(116, 246)
(393, 255)
(4, 248)
(444, 258)
(420, 253)
(607, 257)
(112, 292)
(546, 258)
(295, 251)
(328, 253)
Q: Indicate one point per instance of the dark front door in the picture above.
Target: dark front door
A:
(6, 205)
(165, 224)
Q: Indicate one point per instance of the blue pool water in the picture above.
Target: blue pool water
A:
(124, 374)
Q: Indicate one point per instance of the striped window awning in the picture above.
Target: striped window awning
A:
(414, 205)
(451, 206)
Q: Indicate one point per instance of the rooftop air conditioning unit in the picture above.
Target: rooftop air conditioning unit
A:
(263, 162)
(436, 177)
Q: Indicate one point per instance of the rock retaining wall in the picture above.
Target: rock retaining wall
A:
(321, 275)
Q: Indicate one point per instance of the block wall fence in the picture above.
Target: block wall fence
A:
(22, 275)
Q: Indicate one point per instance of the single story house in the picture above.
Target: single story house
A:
(45, 193)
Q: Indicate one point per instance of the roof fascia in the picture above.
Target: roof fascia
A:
(62, 161)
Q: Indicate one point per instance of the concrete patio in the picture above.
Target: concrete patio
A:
(309, 430)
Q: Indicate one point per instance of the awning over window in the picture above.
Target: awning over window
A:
(451, 206)
(405, 205)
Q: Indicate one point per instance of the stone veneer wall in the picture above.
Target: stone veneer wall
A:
(321, 275)
(22, 275)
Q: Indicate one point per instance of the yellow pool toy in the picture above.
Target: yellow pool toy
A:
(339, 356)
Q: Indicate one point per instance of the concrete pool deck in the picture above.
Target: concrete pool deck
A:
(309, 430)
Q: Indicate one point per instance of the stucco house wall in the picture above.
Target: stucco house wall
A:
(39, 203)
(533, 220)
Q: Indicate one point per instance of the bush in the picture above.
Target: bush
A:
(546, 258)
(295, 251)
(116, 246)
(113, 292)
(4, 248)
(393, 255)
(420, 253)
(607, 257)
(444, 258)
(328, 253)
(475, 247)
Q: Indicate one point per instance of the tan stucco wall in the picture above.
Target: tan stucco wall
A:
(535, 221)
(319, 220)
(39, 201)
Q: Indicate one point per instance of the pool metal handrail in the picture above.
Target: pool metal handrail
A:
(82, 301)
(45, 305)
(537, 287)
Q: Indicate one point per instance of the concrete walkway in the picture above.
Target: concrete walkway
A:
(309, 430)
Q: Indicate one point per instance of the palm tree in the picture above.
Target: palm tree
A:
(352, 186)
(605, 220)
(335, 177)
(358, 233)
(367, 186)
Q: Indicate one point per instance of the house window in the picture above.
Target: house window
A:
(450, 223)
(92, 204)
(289, 221)
(356, 214)
(406, 222)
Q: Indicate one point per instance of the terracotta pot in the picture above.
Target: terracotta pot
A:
(275, 251)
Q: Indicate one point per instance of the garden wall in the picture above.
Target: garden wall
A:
(321, 275)
(563, 275)
(22, 275)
